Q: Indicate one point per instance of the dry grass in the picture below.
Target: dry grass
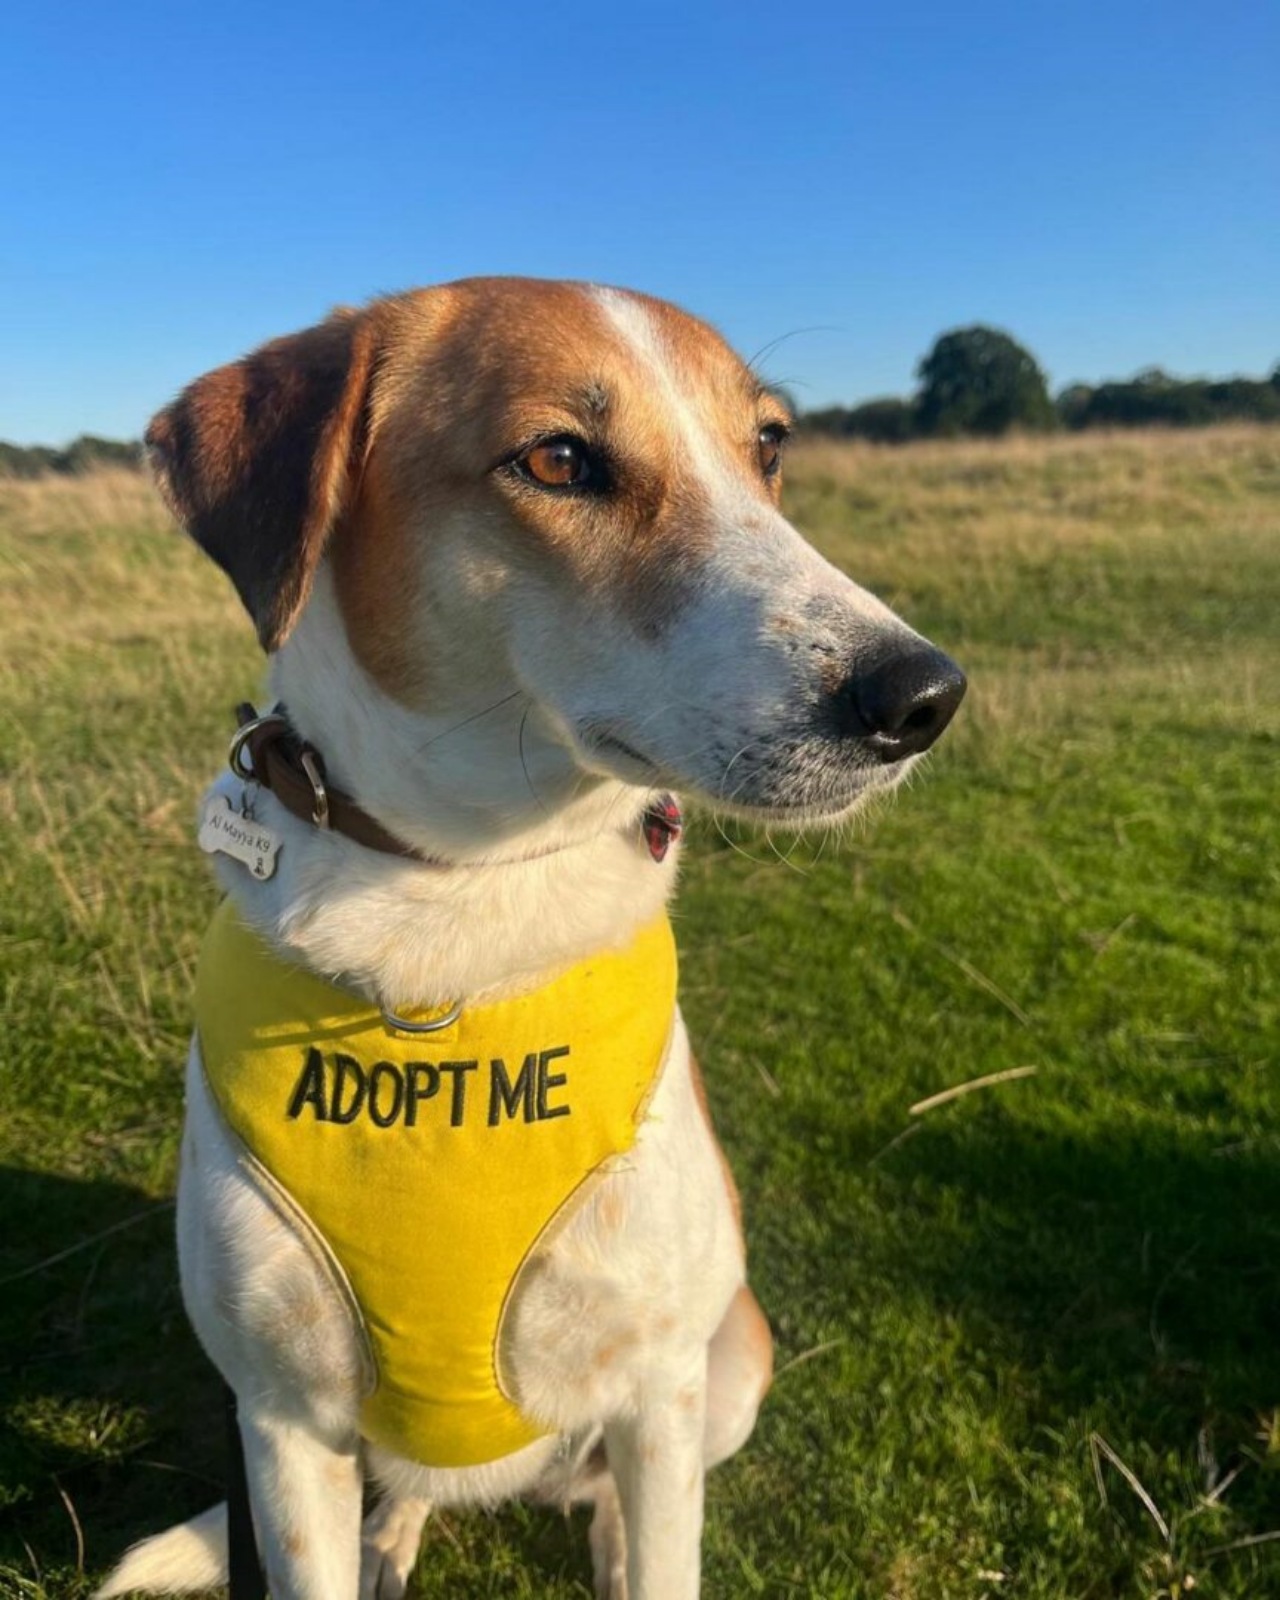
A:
(87, 562)
(88, 503)
(977, 500)
(109, 619)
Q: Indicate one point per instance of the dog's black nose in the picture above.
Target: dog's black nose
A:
(899, 706)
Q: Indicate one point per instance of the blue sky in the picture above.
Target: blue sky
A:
(181, 182)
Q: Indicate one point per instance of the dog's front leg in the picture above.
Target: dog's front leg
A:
(305, 1491)
(656, 1454)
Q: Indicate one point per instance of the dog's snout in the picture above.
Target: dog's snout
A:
(899, 706)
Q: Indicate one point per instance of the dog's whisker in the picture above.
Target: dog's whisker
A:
(795, 333)
(733, 843)
(787, 857)
(524, 765)
(467, 721)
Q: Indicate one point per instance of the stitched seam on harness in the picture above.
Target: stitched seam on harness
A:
(560, 1216)
(309, 1236)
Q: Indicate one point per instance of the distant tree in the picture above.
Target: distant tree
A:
(883, 421)
(979, 380)
(830, 421)
(26, 461)
(89, 451)
(1154, 399)
(1242, 399)
(1072, 404)
(1144, 403)
(81, 455)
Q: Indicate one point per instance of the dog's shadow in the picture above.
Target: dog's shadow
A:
(1133, 1262)
(1129, 1278)
(110, 1409)
(113, 1419)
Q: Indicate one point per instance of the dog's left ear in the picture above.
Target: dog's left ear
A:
(259, 460)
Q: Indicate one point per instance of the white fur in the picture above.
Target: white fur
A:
(186, 1559)
(622, 1327)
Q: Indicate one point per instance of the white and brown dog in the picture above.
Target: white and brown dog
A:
(514, 548)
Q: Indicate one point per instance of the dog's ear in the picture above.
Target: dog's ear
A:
(259, 459)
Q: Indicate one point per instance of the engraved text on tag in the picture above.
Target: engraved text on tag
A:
(224, 831)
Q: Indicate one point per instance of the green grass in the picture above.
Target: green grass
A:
(974, 1305)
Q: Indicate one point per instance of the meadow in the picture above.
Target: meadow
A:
(1028, 1333)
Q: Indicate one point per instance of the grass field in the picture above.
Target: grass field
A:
(1028, 1338)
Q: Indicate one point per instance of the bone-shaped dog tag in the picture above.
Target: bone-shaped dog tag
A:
(224, 831)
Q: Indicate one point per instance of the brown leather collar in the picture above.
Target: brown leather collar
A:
(280, 760)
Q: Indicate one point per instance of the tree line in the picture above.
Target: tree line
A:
(974, 381)
(981, 381)
(83, 455)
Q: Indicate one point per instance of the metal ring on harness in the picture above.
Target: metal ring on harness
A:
(403, 1025)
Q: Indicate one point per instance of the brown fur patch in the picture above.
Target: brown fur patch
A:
(611, 1210)
(256, 460)
(700, 1092)
(607, 1354)
(751, 1327)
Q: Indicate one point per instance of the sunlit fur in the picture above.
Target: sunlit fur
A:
(504, 678)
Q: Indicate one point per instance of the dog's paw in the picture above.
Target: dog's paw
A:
(389, 1544)
(608, 1539)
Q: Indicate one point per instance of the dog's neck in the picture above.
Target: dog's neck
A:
(546, 866)
(481, 774)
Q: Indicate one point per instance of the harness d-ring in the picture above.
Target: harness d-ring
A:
(403, 1025)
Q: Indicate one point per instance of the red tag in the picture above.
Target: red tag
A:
(662, 822)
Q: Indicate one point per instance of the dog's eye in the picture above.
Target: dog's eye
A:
(560, 463)
(769, 442)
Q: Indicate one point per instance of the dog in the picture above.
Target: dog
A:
(515, 552)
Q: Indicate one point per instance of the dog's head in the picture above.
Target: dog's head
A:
(567, 494)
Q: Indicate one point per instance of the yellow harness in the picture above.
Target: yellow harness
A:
(431, 1167)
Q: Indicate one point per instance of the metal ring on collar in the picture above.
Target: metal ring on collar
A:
(319, 794)
(235, 752)
(403, 1025)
